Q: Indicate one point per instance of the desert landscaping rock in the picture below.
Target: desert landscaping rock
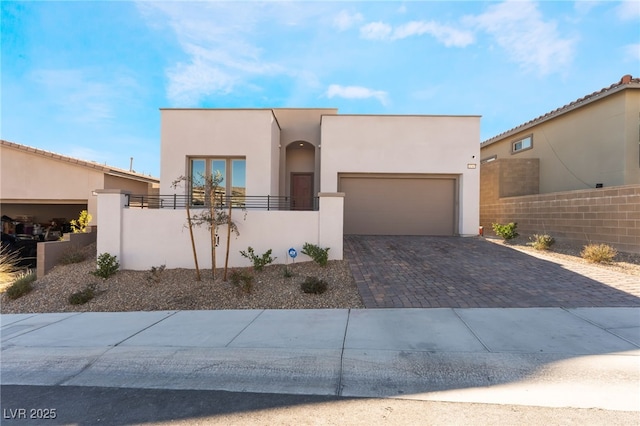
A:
(177, 289)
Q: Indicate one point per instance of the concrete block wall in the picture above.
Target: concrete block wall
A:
(605, 215)
(50, 252)
(509, 178)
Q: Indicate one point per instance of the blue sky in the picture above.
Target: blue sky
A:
(87, 79)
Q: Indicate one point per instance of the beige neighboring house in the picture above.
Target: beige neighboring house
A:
(574, 171)
(37, 186)
(591, 142)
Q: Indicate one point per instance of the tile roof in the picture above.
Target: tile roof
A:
(626, 82)
(114, 171)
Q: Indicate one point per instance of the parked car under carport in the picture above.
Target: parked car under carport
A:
(25, 246)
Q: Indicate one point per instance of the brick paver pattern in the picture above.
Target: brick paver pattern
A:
(455, 272)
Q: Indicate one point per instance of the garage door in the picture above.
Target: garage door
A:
(399, 204)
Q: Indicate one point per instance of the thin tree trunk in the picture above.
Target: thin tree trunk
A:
(193, 243)
(212, 212)
(226, 258)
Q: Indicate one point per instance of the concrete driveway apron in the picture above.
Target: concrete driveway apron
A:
(455, 272)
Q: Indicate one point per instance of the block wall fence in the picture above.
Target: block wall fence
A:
(604, 215)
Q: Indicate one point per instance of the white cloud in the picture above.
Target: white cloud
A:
(632, 52)
(356, 92)
(628, 10)
(345, 20)
(584, 7)
(519, 28)
(214, 36)
(375, 31)
(447, 35)
(78, 95)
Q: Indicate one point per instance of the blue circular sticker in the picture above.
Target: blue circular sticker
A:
(293, 253)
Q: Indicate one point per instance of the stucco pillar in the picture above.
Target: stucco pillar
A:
(331, 223)
(111, 202)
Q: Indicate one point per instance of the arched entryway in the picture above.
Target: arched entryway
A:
(300, 174)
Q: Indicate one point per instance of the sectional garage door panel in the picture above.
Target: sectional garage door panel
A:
(398, 205)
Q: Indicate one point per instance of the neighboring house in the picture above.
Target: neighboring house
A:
(328, 175)
(37, 186)
(582, 161)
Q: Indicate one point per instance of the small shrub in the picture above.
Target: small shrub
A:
(22, 285)
(72, 255)
(107, 265)
(541, 241)
(313, 285)
(83, 296)
(243, 280)
(155, 273)
(598, 253)
(287, 273)
(82, 223)
(507, 231)
(318, 254)
(259, 262)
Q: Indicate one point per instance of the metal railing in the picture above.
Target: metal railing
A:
(249, 202)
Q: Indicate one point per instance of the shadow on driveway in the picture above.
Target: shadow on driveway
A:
(455, 272)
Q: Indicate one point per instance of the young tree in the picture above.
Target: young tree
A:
(214, 216)
(187, 204)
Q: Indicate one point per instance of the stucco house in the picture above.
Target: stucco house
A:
(39, 185)
(579, 166)
(330, 175)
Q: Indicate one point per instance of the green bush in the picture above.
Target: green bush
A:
(243, 280)
(313, 285)
(107, 265)
(259, 262)
(541, 241)
(72, 255)
(318, 254)
(83, 296)
(22, 285)
(506, 232)
(598, 253)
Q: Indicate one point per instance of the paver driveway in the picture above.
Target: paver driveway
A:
(453, 272)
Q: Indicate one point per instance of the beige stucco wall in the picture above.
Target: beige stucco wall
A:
(597, 143)
(300, 125)
(34, 179)
(206, 132)
(632, 137)
(133, 186)
(406, 144)
(142, 238)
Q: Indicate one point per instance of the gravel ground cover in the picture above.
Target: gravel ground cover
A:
(177, 289)
(628, 263)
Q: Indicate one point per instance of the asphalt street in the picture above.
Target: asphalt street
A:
(79, 405)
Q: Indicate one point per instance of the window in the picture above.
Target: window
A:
(228, 173)
(522, 144)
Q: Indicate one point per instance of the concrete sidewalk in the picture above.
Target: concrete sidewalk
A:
(554, 357)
